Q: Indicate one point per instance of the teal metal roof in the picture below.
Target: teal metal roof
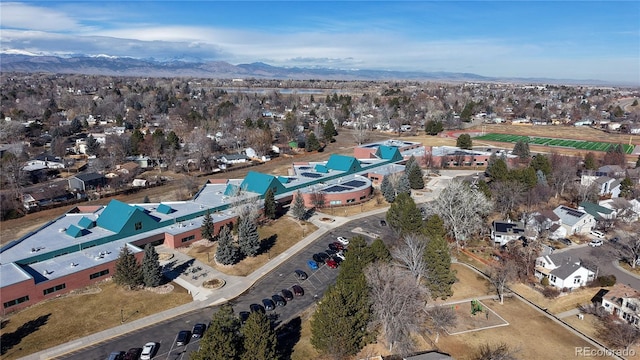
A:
(86, 223)
(164, 209)
(594, 209)
(125, 219)
(343, 163)
(321, 168)
(388, 153)
(74, 231)
(283, 179)
(231, 189)
(259, 183)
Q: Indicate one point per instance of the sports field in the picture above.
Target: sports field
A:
(544, 141)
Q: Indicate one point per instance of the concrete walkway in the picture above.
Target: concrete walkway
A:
(566, 314)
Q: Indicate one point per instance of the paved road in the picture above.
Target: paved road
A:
(281, 277)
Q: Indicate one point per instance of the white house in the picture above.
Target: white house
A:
(44, 161)
(562, 271)
(547, 221)
(234, 158)
(575, 221)
(623, 301)
(504, 231)
(623, 209)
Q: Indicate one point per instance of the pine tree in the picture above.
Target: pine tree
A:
(248, 237)
(207, 229)
(521, 149)
(590, 161)
(259, 338)
(403, 186)
(410, 162)
(388, 192)
(312, 143)
(541, 162)
(151, 271)
(380, 251)
(403, 216)
(269, 204)
(439, 276)
(498, 170)
(127, 269)
(626, 187)
(222, 340)
(433, 127)
(227, 252)
(299, 211)
(464, 141)
(638, 162)
(415, 176)
(329, 131)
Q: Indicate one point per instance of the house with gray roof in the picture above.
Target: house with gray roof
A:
(563, 271)
(575, 221)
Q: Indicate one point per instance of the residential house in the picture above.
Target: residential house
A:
(606, 185)
(562, 271)
(623, 209)
(614, 171)
(87, 181)
(128, 168)
(575, 221)
(622, 301)
(45, 194)
(600, 213)
(234, 159)
(45, 161)
(504, 231)
(546, 221)
(143, 161)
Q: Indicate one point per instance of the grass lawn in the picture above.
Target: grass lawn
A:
(278, 237)
(560, 304)
(73, 316)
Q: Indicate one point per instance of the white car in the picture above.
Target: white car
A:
(595, 243)
(343, 241)
(340, 254)
(147, 351)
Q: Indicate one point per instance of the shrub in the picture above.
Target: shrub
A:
(605, 280)
(544, 281)
(550, 292)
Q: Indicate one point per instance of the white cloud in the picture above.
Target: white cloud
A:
(23, 16)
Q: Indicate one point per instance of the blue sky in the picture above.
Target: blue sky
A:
(551, 39)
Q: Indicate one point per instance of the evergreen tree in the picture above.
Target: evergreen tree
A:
(312, 143)
(259, 338)
(146, 199)
(403, 186)
(467, 112)
(388, 192)
(298, 210)
(590, 161)
(135, 140)
(127, 269)
(380, 251)
(439, 276)
(521, 149)
(248, 237)
(173, 140)
(410, 162)
(541, 162)
(498, 171)
(222, 340)
(151, 271)
(626, 187)
(227, 252)
(464, 141)
(433, 127)
(415, 176)
(403, 216)
(207, 229)
(269, 204)
(329, 131)
(93, 146)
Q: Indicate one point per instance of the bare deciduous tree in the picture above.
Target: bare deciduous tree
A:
(564, 171)
(507, 195)
(630, 242)
(441, 318)
(410, 255)
(500, 275)
(618, 333)
(397, 304)
(501, 351)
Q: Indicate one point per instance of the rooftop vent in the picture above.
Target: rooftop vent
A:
(47, 272)
(74, 264)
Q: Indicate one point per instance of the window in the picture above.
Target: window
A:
(99, 274)
(54, 289)
(138, 225)
(552, 278)
(17, 301)
(350, 201)
(335, 202)
(363, 197)
(188, 238)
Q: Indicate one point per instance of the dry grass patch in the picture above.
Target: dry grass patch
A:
(565, 302)
(278, 236)
(469, 284)
(74, 316)
(589, 326)
(303, 350)
(628, 267)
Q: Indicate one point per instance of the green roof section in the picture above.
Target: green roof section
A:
(344, 163)
(321, 168)
(74, 231)
(390, 153)
(231, 189)
(125, 219)
(595, 210)
(164, 209)
(86, 223)
(259, 183)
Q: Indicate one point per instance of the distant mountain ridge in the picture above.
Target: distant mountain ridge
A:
(122, 66)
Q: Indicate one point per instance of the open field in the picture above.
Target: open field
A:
(79, 314)
(554, 142)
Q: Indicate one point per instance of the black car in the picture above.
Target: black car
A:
(133, 354)
(332, 246)
(287, 295)
(256, 308)
(297, 290)
(268, 304)
(183, 337)
(198, 330)
(301, 275)
(116, 355)
(244, 315)
(279, 300)
(565, 241)
(383, 223)
(320, 257)
(330, 252)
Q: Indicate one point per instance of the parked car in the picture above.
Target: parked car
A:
(116, 355)
(198, 330)
(340, 254)
(244, 315)
(565, 241)
(312, 265)
(598, 234)
(301, 275)
(330, 252)
(595, 243)
(256, 308)
(331, 263)
(133, 354)
(320, 257)
(343, 240)
(338, 246)
(337, 259)
(297, 290)
(614, 239)
(183, 337)
(279, 300)
(148, 350)
(268, 304)
(383, 223)
(332, 246)
(287, 295)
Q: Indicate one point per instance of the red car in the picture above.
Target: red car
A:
(338, 246)
(331, 263)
